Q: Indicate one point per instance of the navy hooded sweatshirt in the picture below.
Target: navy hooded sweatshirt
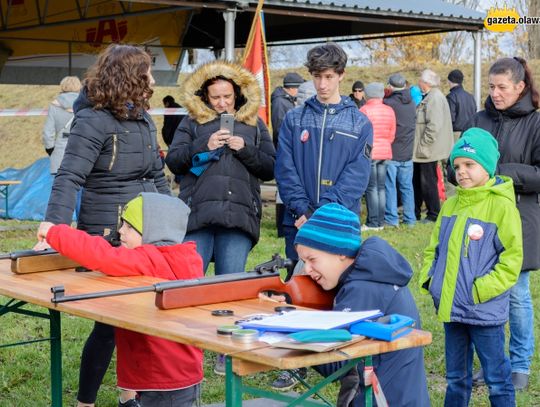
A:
(378, 280)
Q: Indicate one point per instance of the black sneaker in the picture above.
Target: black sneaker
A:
(286, 380)
(129, 403)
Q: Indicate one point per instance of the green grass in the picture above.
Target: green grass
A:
(24, 370)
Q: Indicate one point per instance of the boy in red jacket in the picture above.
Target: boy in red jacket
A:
(162, 372)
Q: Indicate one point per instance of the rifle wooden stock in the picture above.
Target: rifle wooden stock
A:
(30, 261)
(302, 290)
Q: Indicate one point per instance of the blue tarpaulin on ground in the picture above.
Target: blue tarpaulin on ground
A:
(28, 200)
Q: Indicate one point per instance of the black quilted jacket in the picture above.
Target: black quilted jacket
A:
(112, 160)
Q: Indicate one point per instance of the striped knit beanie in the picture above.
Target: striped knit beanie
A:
(332, 228)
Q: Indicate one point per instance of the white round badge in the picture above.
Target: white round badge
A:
(475, 231)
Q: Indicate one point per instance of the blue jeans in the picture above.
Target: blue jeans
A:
(521, 325)
(375, 194)
(399, 174)
(489, 344)
(228, 247)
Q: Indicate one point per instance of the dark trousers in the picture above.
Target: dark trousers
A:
(177, 398)
(280, 214)
(425, 190)
(290, 234)
(95, 360)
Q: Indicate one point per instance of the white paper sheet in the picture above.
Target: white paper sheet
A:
(303, 320)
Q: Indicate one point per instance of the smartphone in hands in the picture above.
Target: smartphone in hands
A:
(227, 123)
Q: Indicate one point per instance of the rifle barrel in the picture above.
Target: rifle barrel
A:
(101, 294)
(26, 253)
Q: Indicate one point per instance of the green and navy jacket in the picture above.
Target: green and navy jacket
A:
(475, 254)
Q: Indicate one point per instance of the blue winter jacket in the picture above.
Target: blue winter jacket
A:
(378, 280)
(323, 156)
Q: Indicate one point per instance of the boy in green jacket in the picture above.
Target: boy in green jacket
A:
(473, 259)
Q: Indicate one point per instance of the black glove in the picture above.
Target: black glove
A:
(49, 151)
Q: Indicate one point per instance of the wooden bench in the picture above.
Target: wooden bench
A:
(4, 193)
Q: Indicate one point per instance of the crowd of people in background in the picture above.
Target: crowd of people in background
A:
(393, 144)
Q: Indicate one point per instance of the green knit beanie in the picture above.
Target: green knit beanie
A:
(479, 145)
(133, 213)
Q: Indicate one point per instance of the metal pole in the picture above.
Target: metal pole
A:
(70, 55)
(477, 68)
(229, 17)
(56, 358)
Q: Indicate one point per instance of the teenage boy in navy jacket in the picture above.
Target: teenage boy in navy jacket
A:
(324, 147)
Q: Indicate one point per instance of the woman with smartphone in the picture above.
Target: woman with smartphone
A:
(221, 150)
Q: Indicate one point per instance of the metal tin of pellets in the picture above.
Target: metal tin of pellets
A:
(227, 329)
(245, 335)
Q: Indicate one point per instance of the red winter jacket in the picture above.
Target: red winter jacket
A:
(383, 119)
(144, 362)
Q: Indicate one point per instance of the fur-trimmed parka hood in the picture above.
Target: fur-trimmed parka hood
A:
(201, 112)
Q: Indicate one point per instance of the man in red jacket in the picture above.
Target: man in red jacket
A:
(159, 370)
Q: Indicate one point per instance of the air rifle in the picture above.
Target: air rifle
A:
(300, 289)
(32, 261)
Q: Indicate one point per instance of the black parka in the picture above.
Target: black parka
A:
(517, 130)
(281, 103)
(405, 110)
(113, 160)
(462, 107)
(227, 194)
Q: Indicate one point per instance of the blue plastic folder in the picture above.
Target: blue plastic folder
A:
(387, 328)
(296, 321)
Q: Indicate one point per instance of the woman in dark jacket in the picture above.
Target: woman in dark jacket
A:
(511, 116)
(221, 171)
(112, 154)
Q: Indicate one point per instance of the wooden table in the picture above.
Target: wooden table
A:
(4, 192)
(194, 326)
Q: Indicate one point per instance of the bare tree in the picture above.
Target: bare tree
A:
(454, 47)
(533, 31)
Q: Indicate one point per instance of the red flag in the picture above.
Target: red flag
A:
(255, 59)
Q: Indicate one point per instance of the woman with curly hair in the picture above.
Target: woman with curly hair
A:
(220, 170)
(112, 154)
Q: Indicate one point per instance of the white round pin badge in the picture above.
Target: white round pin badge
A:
(475, 231)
